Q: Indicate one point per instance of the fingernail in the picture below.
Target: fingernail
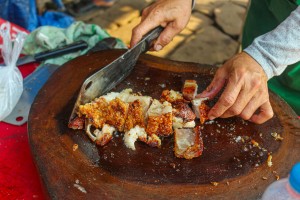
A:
(157, 47)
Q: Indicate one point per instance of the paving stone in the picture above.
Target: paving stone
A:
(208, 46)
(207, 6)
(243, 3)
(125, 10)
(230, 17)
(176, 42)
(124, 32)
(198, 21)
(103, 23)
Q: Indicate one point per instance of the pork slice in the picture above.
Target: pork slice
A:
(189, 90)
(188, 142)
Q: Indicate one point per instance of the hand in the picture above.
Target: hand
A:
(171, 14)
(245, 92)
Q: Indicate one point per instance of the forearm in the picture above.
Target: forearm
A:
(277, 49)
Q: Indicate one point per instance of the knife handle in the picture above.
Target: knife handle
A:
(61, 51)
(151, 36)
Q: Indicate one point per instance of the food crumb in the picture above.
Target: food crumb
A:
(277, 136)
(264, 178)
(162, 85)
(214, 183)
(254, 143)
(173, 165)
(75, 147)
(269, 161)
(147, 78)
(227, 182)
(277, 177)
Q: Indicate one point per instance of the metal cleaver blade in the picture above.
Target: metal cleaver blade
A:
(109, 76)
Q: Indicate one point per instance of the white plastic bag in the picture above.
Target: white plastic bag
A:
(11, 81)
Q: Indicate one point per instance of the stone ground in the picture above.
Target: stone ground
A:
(211, 37)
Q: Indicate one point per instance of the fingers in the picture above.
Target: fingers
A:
(167, 35)
(227, 98)
(265, 113)
(215, 86)
(249, 95)
(142, 29)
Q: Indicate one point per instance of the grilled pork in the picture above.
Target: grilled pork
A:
(188, 142)
(171, 96)
(201, 109)
(160, 119)
(189, 90)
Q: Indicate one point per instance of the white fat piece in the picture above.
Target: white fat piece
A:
(106, 130)
(190, 124)
(178, 123)
(157, 108)
(174, 95)
(132, 135)
(123, 95)
(145, 101)
(196, 103)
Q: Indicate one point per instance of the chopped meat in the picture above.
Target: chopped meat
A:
(189, 90)
(105, 135)
(138, 106)
(95, 111)
(132, 135)
(117, 113)
(135, 116)
(201, 109)
(160, 119)
(77, 123)
(188, 143)
(171, 96)
(183, 111)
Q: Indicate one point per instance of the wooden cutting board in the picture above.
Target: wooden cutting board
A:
(231, 166)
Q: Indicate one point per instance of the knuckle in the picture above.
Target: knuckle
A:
(165, 39)
(245, 115)
(227, 101)
(255, 82)
(235, 111)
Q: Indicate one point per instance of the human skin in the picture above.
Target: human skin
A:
(243, 79)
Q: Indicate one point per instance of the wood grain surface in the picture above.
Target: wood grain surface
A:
(116, 172)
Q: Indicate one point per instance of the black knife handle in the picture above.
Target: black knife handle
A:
(151, 36)
(61, 51)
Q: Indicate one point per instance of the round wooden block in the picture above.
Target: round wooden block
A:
(231, 165)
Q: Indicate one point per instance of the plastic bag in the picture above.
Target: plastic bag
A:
(11, 81)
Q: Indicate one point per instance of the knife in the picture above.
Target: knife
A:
(52, 53)
(109, 76)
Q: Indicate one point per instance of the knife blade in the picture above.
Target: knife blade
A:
(109, 76)
(80, 45)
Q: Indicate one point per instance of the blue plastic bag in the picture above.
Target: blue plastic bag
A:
(57, 19)
(24, 14)
(20, 12)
